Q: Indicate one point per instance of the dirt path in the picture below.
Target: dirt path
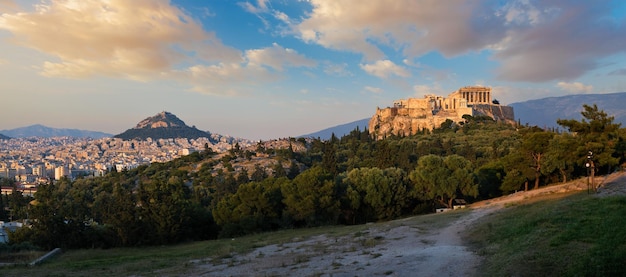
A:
(398, 248)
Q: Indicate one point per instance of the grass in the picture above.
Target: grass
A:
(579, 235)
(177, 259)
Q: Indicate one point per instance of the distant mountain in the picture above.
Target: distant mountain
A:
(162, 126)
(4, 137)
(545, 112)
(339, 130)
(38, 130)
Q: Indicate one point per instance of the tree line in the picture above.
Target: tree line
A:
(349, 180)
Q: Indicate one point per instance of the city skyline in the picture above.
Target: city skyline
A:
(268, 69)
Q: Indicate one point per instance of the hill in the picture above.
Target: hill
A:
(163, 125)
(339, 130)
(545, 112)
(4, 137)
(39, 130)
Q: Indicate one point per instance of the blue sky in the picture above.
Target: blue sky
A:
(268, 69)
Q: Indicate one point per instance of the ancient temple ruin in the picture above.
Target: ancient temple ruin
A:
(408, 116)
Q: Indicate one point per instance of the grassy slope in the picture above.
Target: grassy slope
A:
(580, 235)
(178, 259)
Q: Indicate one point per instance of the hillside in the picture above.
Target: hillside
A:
(4, 137)
(163, 125)
(545, 112)
(339, 130)
(39, 130)
(426, 245)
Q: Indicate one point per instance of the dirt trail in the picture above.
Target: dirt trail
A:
(396, 249)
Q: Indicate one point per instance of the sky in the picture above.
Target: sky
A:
(265, 69)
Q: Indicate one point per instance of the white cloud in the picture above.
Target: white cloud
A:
(242, 78)
(417, 27)
(385, 68)
(8, 5)
(533, 41)
(373, 89)
(337, 69)
(136, 40)
(411, 63)
(261, 6)
(575, 87)
(421, 90)
(276, 57)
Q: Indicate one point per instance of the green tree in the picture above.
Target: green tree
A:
(278, 170)
(256, 206)
(536, 144)
(596, 133)
(259, 174)
(310, 199)
(560, 156)
(443, 179)
(376, 194)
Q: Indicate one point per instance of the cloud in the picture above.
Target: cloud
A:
(276, 57)
(563, 40)
(8, 5)
(575, 87)
(242, 78)
(422, 90)
(533, 41)
(143, 40)
(136, 40)
(337, 69)
(261, 7)
(385, 68)
(618, 72)
(417, 27)
(373, 89)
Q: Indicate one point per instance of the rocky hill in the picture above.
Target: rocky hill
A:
(38, 130)
(163, 125)
(545, 112)
(409, 116)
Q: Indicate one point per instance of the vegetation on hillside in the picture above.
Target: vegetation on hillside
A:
(347, 180)
(579, 235)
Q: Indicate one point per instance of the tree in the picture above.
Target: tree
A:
(376, 194)
(259, 174)
(329, 158)
(256, 206)
(518, 170)
(442, 179)
(560, 156)
(310, 199)
(294, 170)
(536, 144)
(278, 170)
(596, 133)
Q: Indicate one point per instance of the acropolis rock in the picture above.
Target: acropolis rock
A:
(408, 116)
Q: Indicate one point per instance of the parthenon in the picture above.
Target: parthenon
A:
(407, 116)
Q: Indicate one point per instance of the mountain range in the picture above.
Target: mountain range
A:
(39, 130)
(542, 112)
(546, 111)
(339, 130)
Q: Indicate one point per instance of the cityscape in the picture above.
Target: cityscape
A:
(37, 160)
